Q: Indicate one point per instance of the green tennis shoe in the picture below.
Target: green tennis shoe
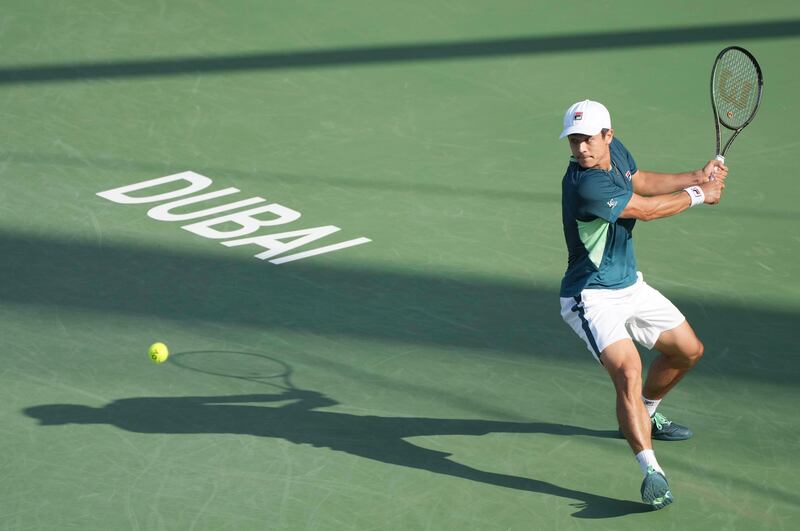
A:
(655, 490)
(663, 429)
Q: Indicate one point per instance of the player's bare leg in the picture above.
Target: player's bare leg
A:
(680, 350)
(624, 366)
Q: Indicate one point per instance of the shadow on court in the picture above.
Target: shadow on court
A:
(400, 53)
(412, 306)
(376, 438)
(428, 187)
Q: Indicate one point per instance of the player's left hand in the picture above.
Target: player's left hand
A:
(714, 170)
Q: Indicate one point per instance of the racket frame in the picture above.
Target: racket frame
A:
(720, 156)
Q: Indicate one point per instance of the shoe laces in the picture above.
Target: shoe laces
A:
(660, 420)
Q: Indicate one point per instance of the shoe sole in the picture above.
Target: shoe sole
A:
(671, 437)
(661, 502)
(661, 437)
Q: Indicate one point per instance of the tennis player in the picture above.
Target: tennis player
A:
(605, 300)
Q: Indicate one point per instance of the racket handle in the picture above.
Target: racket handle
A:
(722, 160)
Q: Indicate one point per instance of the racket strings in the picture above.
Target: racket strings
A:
(735, 88)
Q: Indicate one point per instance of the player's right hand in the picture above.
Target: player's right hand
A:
(714, 170)
(713, 191)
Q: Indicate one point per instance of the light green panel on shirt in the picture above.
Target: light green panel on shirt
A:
(593, 235)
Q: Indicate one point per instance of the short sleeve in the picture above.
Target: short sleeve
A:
(631, 162)
(600, 197)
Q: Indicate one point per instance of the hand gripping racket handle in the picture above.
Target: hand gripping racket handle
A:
(722, 160)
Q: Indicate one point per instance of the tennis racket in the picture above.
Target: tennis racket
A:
(239, 365)
(736, 86)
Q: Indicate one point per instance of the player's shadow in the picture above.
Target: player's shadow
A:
(377, 438)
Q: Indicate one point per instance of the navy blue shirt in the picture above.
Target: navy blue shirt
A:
(599, 242)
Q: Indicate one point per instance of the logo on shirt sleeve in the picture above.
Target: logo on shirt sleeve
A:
(612, 203)
(628, 175)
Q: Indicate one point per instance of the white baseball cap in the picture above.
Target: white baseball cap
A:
(586, 117)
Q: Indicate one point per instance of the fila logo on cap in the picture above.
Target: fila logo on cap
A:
(578, 116)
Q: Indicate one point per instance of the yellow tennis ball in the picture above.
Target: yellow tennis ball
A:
(158, 352)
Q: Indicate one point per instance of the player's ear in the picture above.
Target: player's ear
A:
(608, 135)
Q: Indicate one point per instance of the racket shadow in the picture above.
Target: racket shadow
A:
(239, 365)
(381, 439)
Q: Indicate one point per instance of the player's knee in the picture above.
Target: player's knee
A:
(698, 352)
(690, 356)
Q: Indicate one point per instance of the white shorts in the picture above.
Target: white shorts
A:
(604, 316)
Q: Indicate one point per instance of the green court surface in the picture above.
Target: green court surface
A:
(423, 380)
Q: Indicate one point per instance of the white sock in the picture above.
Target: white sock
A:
(651, 405)
(647, 458)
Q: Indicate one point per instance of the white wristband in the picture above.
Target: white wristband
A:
(696, 195)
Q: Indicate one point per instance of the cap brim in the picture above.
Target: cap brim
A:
(579, 130)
